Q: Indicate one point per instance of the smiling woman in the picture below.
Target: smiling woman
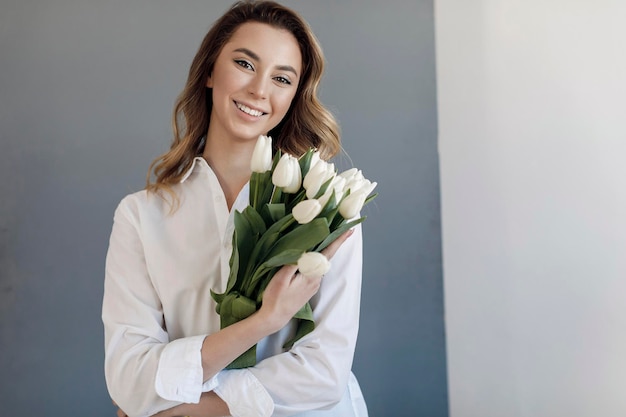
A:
(256, 73)
(254, 81)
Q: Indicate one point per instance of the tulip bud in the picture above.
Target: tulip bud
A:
(351, 174)
(318, 175)
(356, 184)
(306, 210)
(262, 155)
(313, 264)
(287, 174)
(368, 187)
(365, 186)
(352, 204)
(315, 158)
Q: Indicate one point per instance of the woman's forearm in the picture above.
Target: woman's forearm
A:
(210, 405)
(221, 348)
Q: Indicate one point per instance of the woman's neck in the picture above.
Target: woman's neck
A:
(230, 161)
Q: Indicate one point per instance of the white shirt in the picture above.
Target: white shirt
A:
(157, 310)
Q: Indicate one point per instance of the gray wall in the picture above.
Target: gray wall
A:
(86, 90)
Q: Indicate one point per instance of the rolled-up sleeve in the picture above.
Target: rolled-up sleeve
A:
(314, 373)
(145, 371)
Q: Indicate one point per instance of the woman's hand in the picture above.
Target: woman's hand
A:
(288, 290)
(286, 293)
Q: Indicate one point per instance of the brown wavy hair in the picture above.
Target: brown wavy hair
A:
(307, 124)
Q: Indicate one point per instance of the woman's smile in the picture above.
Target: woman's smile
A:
(249, 110)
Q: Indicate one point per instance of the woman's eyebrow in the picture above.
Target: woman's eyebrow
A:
(258, 58)
(249, 53)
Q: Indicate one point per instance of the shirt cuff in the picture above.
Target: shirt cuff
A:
(179, 373)
(244, 394)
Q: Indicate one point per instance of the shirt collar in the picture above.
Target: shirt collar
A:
(196, 160)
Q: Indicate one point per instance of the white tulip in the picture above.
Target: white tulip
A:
(287, 174)
(321, 172)
(356, 184)
(352, 204)
(313, 264)
(367, 186)
(262, 155)
(306, 210)
(352, 173)
(315, 158)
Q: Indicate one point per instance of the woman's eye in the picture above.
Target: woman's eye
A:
(244, 63)
(283, 80)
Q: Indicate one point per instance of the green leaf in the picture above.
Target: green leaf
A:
(234, 266)
(338, 220)
(256, 223)
(338, 232)
(304, 237)
(370, 198)
(265, 189)
(277, 196)
(243, 307)
(271, 236)
(274, 212)
(218, 299)
(255, 178)
(324, 187)
(305, 313)
(243, 241)
(235, 307)
(263, 281)
(260, 182)
(294, 199)
(286, 257)
(305, 161)
(265, 243)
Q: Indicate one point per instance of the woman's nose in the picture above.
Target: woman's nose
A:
(258, 87)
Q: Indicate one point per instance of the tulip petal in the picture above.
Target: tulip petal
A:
(262, 155)
(306, 210)
(313, 264)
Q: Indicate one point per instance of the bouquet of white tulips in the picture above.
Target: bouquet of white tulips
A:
(298, 206)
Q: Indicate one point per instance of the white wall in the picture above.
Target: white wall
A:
(532, 136)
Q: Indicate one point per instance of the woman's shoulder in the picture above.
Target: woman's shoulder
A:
(134, 200)
(144, 202)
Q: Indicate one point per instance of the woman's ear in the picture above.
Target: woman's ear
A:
(209, 81)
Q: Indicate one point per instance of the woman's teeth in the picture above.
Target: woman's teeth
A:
(248, 110)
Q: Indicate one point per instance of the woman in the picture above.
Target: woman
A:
(256, 72)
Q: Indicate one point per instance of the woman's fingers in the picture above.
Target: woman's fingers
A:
(333, 247)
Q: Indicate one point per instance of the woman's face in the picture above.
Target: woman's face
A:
(254, 80)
